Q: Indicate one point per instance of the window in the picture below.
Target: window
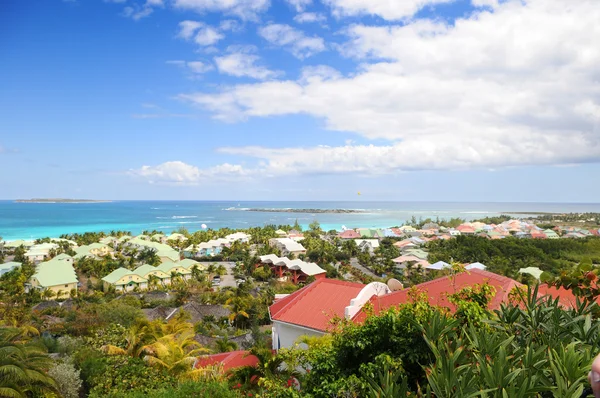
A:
(130, 278)
(66, 285)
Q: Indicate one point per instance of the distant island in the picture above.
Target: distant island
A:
(312, 211)
(61, 201)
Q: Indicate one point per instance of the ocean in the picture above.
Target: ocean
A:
(38, 220)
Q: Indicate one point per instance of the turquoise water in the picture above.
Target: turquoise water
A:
(37, 220)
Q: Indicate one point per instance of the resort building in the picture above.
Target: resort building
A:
(297, 271)
(18, 243)
(93, 250)
(123, 279)
(206, 249)
(349, 234)
(238, 237)
(38, 253)
(57, 276)
(177, 237)
(175, 268)
(149, 272)
(287, 246)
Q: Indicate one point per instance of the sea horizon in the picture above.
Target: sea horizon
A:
(38, 220)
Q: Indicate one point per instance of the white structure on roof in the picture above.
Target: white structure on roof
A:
(287, 246)
(372, 289)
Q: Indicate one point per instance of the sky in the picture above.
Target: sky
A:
(438, 100)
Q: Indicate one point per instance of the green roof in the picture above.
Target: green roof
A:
(9, 265)
(143, 270)
(167, 266)
(189, 263)
(171, 254)
(417, 253)
(117, 274)
(55, 272)
(62, 256)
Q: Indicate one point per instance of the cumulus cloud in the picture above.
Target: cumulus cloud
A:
(244, 9)
(296, 41)
(299, 5)
(193, 67)
(308, 17)
(387, 9)
(242, 64)
(180, 173)
(199, 33)
(516, 86)
(136, 13)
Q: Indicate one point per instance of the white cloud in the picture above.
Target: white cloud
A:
(513, 87)
(299, 44)
(155, 3)
(188, 28)
(308, 17)
(241, 64)
(136, 13)
(199, 33)
(387, 9)
(193, 67)
(245, 9)
(180, 173)
(231, 25)
(299, 5)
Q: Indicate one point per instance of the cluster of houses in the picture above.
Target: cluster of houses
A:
(141, 278)
(432, 231)
(58, 274)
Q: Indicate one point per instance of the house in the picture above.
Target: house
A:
(309, 311)
(421, 254)
(93, 250)
(478, 266)
(123, 279)
(281, 233)
(57, 276)
(190, 264)
(550, 234)
(160, 238)
(404, 261)
(227, 360)
(168, 255)
(367, 245)
(148, 272)
(454, 232)
(440, 265)
(287, 246)
(7, 267)
(238, 237)
(175, 268)
(349, 234)
(438, 290)
(18, 243)
(206, 249)
(38, 253)
(407, 228)
(536, 234)
(177, 237)
(298, 270)
(466, 229)
(431, 225)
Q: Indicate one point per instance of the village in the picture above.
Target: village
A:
(289, 283)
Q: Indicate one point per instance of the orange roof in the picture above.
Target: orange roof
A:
(349, 234)
(439, 289)
(229, 360)
(315, 305)
(565, 297)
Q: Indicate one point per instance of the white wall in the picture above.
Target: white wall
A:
(285, 335)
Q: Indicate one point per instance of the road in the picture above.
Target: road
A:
(354, 262)
(227, 280)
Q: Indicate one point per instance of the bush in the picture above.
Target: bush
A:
(122, 373)
(214, 389)
(67, 379)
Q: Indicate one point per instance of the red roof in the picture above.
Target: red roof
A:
(349, 234)
(565, 296)
(465, 228)
(538, 234)
(315, 305)
(595, 232)
(229, 360)
(439, 289)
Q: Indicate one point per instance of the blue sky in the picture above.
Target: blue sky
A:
(466, 100)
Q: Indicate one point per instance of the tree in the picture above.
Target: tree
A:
(67, 379)
(22, 366)
(225, 345)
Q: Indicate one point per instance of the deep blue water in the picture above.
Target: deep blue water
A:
(36, 220)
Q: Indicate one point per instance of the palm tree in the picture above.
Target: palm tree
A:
(138, 337)
(22, 366)
(225, 345)
(48, 294)
(175, 353)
